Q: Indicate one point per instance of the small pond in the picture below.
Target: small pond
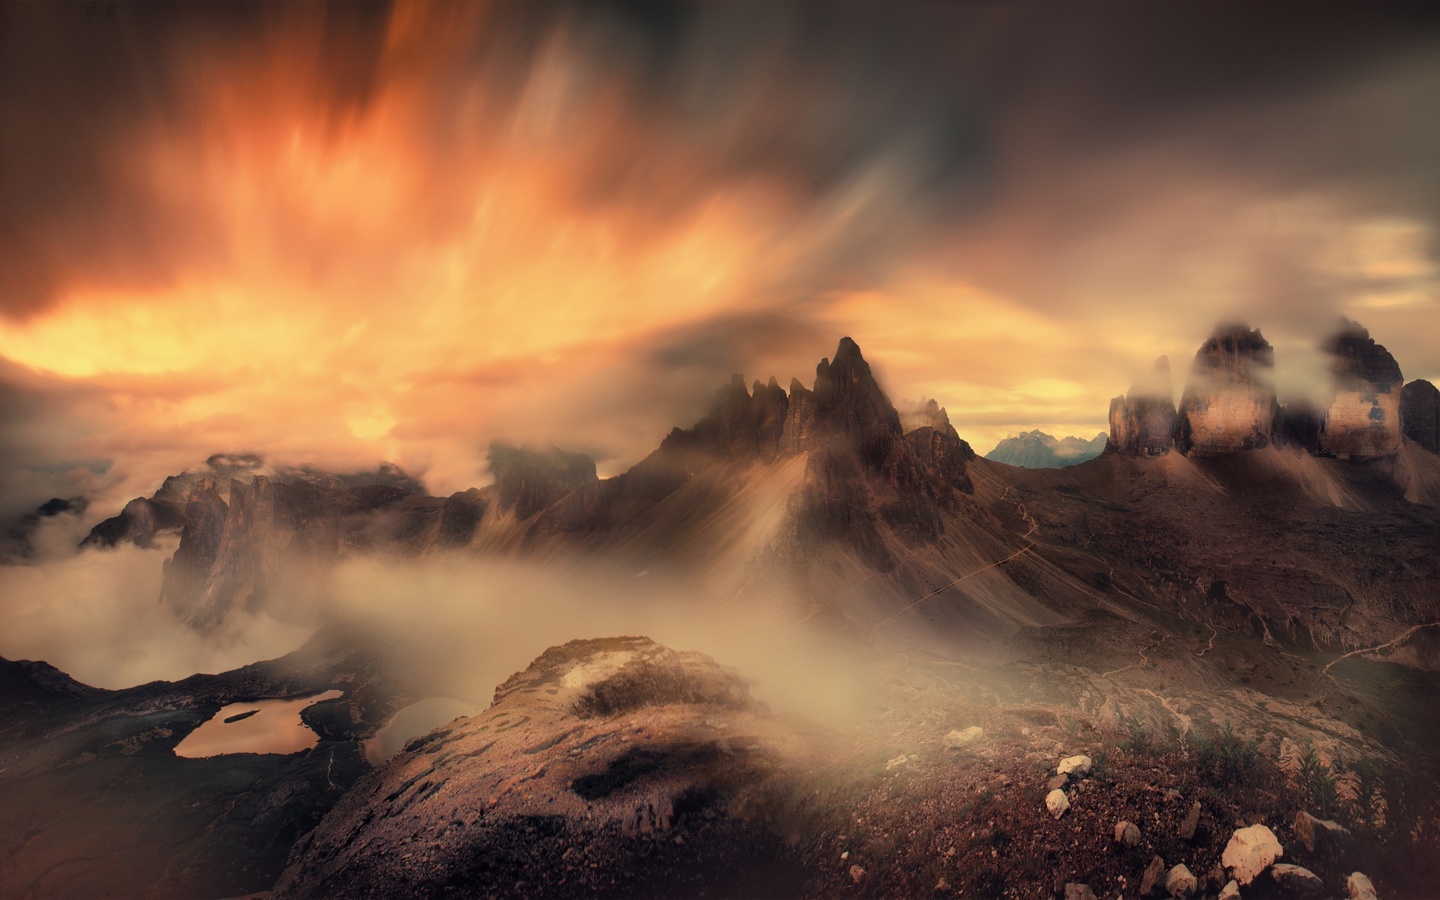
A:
(263, 726)
(411, 722)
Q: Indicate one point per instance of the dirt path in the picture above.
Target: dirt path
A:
(1142, 662)
(1210, 646)
(1385, 646)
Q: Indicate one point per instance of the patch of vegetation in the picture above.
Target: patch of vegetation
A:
(1138, 740)
(1316, 781)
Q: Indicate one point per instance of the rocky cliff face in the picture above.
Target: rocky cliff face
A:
(1420, 414)
(527, 480)
(1229, 402)
(233, 546)
(1363, 418)
(1142, 422)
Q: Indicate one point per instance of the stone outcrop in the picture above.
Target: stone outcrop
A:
(602, 766)
(1142, 422)
(1229, 401)
(1420, 414)
(1363, 418)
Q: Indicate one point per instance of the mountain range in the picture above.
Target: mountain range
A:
(1226, 566)
(1038, 450)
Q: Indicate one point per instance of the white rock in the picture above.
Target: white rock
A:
(1180, 882)
(1057, 803)
(900, 760)
(957, 739)
(1074, 766)
(1127, 833)
(1358, 886)
(1231, 891)
(1250, 852)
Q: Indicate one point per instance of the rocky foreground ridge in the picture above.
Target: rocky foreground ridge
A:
(621, 768)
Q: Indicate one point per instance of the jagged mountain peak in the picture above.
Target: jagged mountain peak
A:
(1363, 420)
(1358, 361)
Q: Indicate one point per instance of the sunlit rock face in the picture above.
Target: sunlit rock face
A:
(1363, 419)
(1229, 402)
(1420, 414)
(610, 767)
(1142, 423)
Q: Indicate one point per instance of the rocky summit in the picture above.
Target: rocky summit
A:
(1420, 414)
(1229, 401)
(1363, 418)
(1142, 422)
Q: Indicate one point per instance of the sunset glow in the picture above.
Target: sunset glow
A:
(405, 244)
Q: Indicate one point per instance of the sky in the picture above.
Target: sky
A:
(340, 234)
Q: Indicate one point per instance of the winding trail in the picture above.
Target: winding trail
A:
(1024, 514)
(1144, 658)
(1385, 646)
(1210, 646)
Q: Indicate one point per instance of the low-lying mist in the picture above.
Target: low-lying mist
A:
(97, 616)
(458, 622)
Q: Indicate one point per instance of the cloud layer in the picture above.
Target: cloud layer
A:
(336, 234)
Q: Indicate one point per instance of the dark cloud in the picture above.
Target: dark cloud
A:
(1125, 171)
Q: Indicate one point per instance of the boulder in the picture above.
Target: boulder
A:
(1250, 851)
(1296, 881)
(1075, 767)
(1231, 891)
(1075, 891)
(1127, 833)
(1192, 821)
(1057, 803)
(1323, 837)
(1153, 877)
(957, 739)
(1358, 887)
(1180, 882)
